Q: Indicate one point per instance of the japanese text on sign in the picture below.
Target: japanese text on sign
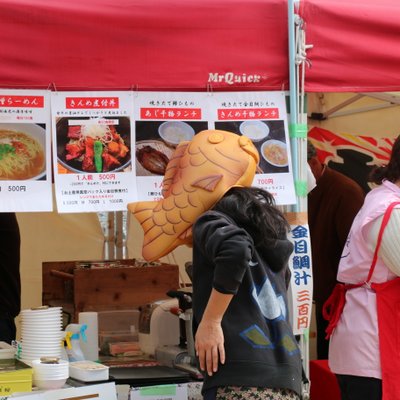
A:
(22, 101)
(302, 278)
(170, 113)
(248, 113)
(91, 102)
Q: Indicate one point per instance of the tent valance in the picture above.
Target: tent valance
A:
(355, 45)
(144, 44)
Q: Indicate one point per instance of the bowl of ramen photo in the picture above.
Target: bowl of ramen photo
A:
(275, 153)
(174, 132)
(254, 129)
(86, 145)
(22, 151)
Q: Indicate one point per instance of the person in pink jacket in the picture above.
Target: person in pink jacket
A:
(354, 351)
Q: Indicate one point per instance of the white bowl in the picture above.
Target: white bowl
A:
(42, 310)
(38, 348)
(49, 384)
(254, 129)
(34, 131)
(275, 153)
(174, 132)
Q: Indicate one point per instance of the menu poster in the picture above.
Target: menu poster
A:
(262, 117)
(25, 151)
(92, 137)
(162, 121)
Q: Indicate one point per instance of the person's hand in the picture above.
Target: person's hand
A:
(209, 345)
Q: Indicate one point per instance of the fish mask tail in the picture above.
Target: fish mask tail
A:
(142, 210)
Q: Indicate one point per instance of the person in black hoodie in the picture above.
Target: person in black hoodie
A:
(10, 284)
(243, 340)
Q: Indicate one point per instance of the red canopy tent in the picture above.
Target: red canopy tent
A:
(152, 44)
(177, 44)
(356, 45)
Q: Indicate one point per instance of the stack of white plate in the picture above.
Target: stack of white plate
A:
(50, 375)
(41, 333)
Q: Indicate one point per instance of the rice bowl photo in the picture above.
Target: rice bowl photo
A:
(254, 129)
(86, 145)
(22, 151)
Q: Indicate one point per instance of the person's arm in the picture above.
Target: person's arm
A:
(390, 245)
(209, 340)
(230, 249)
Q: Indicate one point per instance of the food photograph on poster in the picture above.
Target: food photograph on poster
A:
(22, 151)
(269, 139)
(156, 142)
(93, 144)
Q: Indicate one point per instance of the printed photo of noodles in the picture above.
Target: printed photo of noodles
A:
(21, 156)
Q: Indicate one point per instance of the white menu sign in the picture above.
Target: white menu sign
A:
(93, 151)
(262, 117)
(25, 151)
(162, 121)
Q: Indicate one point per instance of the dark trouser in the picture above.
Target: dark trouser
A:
(7, 329)
(359, 387)
(322, 343)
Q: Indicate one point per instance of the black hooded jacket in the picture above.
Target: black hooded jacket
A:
(10, 284)
(259, 344)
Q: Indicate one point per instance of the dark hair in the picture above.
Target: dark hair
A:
(254, 210)
(311, 150)
(391, 171)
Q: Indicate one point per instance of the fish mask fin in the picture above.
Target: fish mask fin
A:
(173, 167)
(208, 183)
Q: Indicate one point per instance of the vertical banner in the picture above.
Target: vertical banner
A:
(162, 121)
(92, 137)
(25, 151)
(262, 117)
(301, 282)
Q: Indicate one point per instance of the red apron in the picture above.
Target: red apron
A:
(388, 311)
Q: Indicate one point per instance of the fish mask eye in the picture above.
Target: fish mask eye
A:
(216, 138)
(244, 140)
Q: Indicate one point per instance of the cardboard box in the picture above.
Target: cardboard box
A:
(15, 376)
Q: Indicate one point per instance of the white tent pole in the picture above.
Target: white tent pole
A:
(293, 91)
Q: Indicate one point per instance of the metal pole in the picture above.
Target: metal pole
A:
(293, 92)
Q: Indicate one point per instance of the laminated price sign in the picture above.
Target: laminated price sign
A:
(162, 121)
(93, 152)
(25, 151)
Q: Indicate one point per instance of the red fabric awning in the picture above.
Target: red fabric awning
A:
(144, 44)
(356, 45)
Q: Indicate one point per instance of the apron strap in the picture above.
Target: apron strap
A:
(385, 221)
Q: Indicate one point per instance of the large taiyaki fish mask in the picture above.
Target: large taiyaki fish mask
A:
(198, 174)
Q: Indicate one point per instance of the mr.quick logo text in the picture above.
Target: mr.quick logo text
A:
(230, 78)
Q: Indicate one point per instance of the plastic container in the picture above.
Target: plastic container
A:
(74, 350)
(88, 371)
(7, 351)
(15, 376)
